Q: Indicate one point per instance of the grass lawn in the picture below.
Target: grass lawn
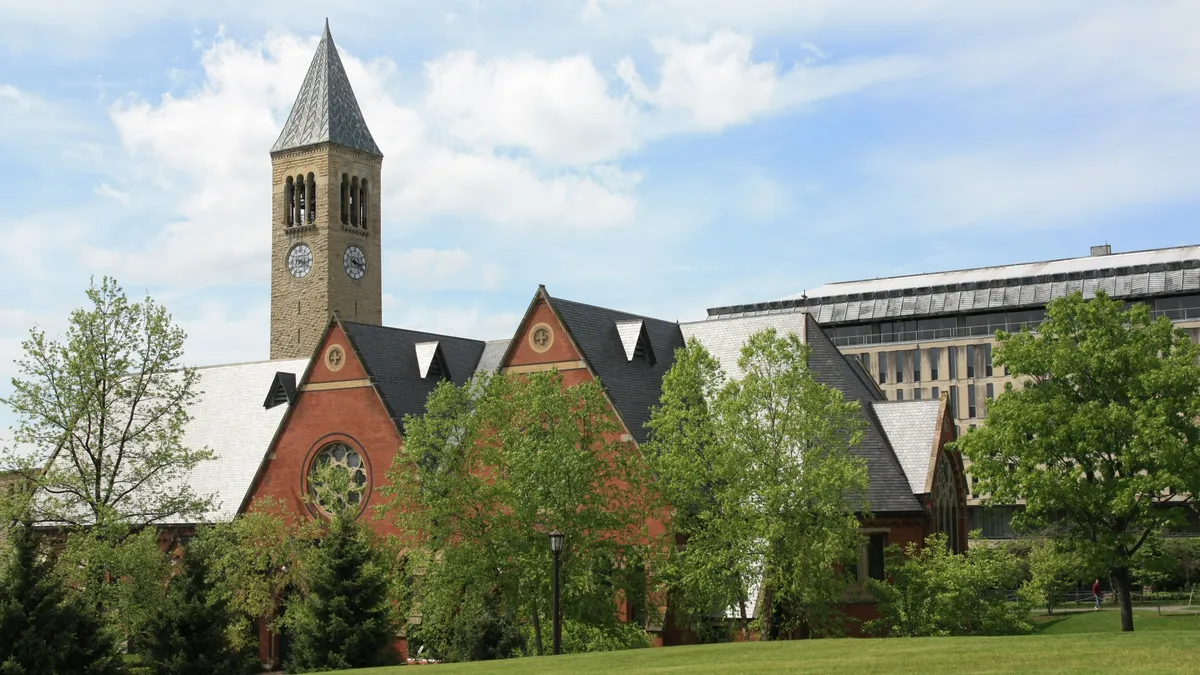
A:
(1085, 642)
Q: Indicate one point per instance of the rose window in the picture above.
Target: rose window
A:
(338, 475)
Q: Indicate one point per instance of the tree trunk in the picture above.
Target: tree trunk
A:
(1122, 582)
(766, 612)
(537, 629)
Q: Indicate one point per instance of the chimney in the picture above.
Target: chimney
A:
(1104, 249)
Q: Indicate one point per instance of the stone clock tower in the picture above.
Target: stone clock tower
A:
(325, 243)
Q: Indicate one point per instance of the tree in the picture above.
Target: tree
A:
(342, 616)
(935, 592)
(1053, 572)
(188, 633)
(1186, 550)
(1100, 433)
(43, 630)
(104, 410)
(484, 475)
(764, 485)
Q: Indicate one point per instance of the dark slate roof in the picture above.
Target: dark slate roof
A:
(634, 386)
(889, 489)
(326, 109)
(390, 358)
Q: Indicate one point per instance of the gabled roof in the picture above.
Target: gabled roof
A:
(912, 428)
(889, 489)
(632, 385)
(326, 109)
(493, 354)
(390, 357)
(229, 420)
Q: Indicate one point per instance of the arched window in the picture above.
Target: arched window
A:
(945, 504)
(345, 199)
(312, 198)
(354, 201)
(362, 204)
(289, 197)
(301, 206)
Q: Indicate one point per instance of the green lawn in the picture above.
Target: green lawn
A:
(1077, 643)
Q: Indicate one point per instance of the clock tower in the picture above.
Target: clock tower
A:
(325, 238)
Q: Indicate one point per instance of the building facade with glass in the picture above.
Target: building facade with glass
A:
(929, 335)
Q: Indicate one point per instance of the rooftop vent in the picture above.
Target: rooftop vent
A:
(1103, 249)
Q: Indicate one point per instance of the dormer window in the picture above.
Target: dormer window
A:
(636, 341)
(431, 362)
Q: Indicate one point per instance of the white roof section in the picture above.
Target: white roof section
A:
(425, 354)
(629, 331)
(1034, 269)
(229, 419)
(493, 352)
(724, 338)
(911, 427)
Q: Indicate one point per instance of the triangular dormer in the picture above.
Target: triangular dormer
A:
(283, 390)
(431, 362)
(636, 341)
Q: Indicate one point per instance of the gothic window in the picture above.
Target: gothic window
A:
(301, 211)
(945, 503)
(312, 198)
(362, 203)
(354, 201)
(345, 199)
(289, 198)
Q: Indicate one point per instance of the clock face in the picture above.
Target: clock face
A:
(355, 262)
(300, 260)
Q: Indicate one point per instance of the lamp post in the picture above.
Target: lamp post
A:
(556, 546)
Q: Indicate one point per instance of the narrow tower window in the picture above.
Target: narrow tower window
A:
(354, 201)
(301, 207)
(312, 198)
(362, 204)
(345, 199)
(289, 196)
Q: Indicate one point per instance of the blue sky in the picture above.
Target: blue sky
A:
(660, 156)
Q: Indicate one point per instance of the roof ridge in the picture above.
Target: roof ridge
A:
(413, 331)
(609, 309)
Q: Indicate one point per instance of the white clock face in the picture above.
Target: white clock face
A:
(300, 260)
(355, 262)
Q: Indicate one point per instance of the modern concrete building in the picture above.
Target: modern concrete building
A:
(924, 336)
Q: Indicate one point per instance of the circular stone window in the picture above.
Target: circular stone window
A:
(337, 477)
(541, 338)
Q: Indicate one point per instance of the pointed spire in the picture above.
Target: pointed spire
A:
(326, 109)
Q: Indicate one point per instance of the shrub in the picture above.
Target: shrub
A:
(189, 633)
(582, 637)
(1053, 573)
(933, 591)
(42, 630)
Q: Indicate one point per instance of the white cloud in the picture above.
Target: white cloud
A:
(716, 83)
(433, 269)
(560, 109)
(469, 322)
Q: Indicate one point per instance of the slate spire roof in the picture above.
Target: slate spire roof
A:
(325, 109)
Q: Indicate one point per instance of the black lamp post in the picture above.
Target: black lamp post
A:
(556, 546)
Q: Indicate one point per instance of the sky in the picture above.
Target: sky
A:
(657, 156)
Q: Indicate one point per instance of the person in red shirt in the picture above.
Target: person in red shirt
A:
(1099, 594)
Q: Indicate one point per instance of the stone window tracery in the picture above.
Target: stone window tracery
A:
(945, 503)
(338, 456)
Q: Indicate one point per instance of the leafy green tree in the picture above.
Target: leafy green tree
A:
(484, 475)
(43, 630)
(342, 616)
(104, 410)
(188, 633)
(764, 486)
(1099, 434)
(118, 571)
(1185, 550)
(933, 591)
(1053, 572)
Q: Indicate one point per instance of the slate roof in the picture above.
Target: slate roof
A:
(229, 419)
(1028, 285)
(390, 358)
(911, 426)
(889, 490)
(326, 109)
(493, 352)
(634, 386)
